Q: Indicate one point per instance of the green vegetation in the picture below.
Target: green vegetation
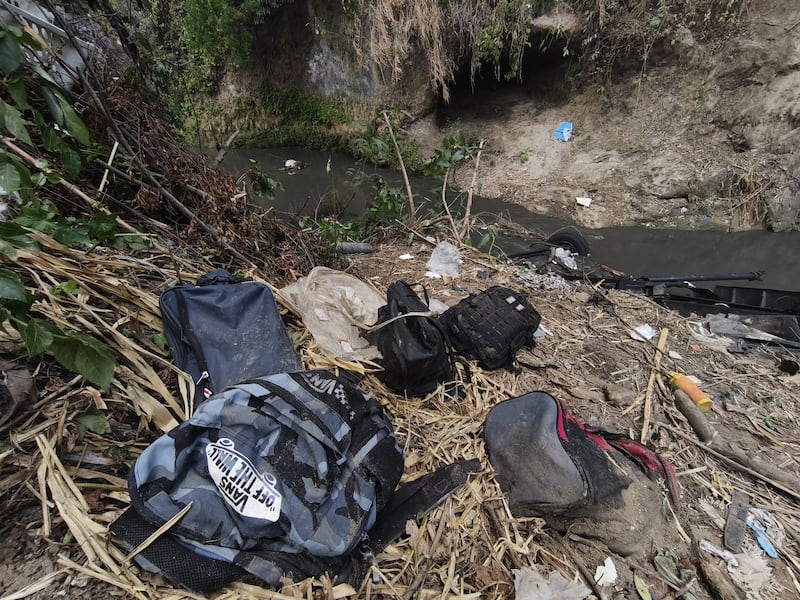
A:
(36, 112)
(391, 205)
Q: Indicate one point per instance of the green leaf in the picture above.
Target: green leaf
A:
(72, 121)
(14, 122)
(10, 53)
(9, 179)
(8, 250)
(11, 286)
(70, 234)
(54, 105)
(43, 74)
(93, 420)
(161, 340)
(51, 139)
(5, 314)
(641, 588)
(13, 233)
(16, 87)
(71, 161)
(86, 356)
(37, 336)
(39, 179)
(103, 227)
(41, 217)
(68, 287)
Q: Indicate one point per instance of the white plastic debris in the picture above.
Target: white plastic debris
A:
(566, 258)
(730, 559)
(406, 256)
(674, 355)
(432, 275)
(542, 331)
(643, 333)
(583, 201)
(530, 585)
(606, 574)
(445, 260)
(437, 306)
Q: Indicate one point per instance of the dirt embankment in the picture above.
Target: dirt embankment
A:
(704, 135)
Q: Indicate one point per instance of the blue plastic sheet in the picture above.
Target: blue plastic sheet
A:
(563, 132)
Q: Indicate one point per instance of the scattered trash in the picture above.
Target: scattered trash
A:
(530, 585)
(643, 333)
(356, 248)
(674, 355)
(583, 201)
(768, 530)
(733, 326)
(437, 306)
(432, 275)
(563, 132)
(730, 560)
(292, 166)
(687, 385)
(332, 304)
(666, 563)
(606, 574)
(684, 210)
(406, 256)
(566, 259)
(542, 331)
(546, 281)
(734, 528)
(445, 260)
(753, 575)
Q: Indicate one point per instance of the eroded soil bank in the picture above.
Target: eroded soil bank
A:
(702, 136)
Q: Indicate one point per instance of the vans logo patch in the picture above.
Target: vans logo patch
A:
(248, 492)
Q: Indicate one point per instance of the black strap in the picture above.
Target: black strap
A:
(417, 498)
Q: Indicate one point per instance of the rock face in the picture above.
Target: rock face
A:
(308, 46)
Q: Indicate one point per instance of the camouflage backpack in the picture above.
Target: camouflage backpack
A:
(284, 474)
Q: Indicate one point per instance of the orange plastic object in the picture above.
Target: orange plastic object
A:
(701, 400)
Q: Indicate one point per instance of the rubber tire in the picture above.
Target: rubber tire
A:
(571, 238)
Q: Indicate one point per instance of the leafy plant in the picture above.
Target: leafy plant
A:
(263, 184)
(389, 204)
(61, 132)
(332, 230)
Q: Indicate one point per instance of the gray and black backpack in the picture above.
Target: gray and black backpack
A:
(285, 476)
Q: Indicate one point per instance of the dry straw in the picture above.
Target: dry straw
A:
(466, 548)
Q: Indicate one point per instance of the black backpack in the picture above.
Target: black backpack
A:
(225, 330)
(416, 354)
(491, 326)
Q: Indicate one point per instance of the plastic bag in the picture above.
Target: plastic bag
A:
(334, 306)
(444, 260)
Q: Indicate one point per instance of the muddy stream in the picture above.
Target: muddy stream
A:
(339, 184)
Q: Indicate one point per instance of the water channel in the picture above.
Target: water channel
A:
(340, 180)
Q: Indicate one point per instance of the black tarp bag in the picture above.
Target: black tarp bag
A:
(225, 330)
(416, 353)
